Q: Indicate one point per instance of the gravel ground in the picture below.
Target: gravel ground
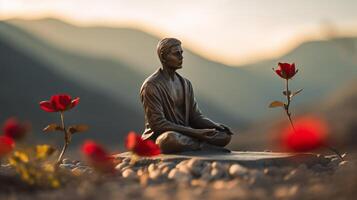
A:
(193, 179)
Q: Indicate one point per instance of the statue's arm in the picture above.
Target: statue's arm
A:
(153, 109)
(198, 120)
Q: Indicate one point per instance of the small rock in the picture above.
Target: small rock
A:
(343, 163)
(66, 161)
(165, 171)
(154, 174)
(184, 169)
(129, 174)
(127, 160)
(120, 166)
(179, 175)
(152, 167)
(217, 165)
(165, 164)
(67, 166)
(217, 173)
(195, 166)
(125, 168)
(140, 172)
(272, 171)
(237, 170)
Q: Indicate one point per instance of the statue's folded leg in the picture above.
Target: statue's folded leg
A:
(219, 139)
(174, 142)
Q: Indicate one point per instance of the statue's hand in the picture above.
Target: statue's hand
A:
(224, 128)
(207, 133)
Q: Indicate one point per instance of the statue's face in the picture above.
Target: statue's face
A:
(174, 57)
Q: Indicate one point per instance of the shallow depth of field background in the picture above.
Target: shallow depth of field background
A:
(101, 51)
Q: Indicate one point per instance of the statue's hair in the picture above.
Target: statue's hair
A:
(164, 46)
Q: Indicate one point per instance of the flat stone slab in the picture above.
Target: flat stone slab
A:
(246, 158)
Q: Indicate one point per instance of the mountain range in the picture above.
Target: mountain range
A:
(108, 64)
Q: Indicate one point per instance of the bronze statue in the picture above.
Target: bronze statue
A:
(172, 117)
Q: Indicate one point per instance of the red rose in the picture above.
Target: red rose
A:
(141, 147)
(286, 70)
(7, 144)
(60, 102)
(14, 129)
(97, 156)
(310, 133)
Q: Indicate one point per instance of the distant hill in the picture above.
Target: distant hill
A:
(108, 89)
(241, 91)
(340, 109)
(216, 83)
(25, 81)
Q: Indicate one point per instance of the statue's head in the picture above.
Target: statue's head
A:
(170, 53)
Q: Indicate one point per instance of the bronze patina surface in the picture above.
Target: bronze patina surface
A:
(171, 109)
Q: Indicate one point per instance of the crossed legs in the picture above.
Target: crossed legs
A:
(174, 142)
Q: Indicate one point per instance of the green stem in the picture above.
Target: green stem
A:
(59, 160)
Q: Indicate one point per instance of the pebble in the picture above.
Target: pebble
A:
(67, 166)
(152, 167)
(236, 170)
(66, 161)
(180, 176)
(129, 174)
(343, 163)
(165, 171)
(155, 174)
(121, 165)
(216, 173)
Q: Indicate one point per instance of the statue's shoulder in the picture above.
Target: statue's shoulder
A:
(185, 80)
(152, 80)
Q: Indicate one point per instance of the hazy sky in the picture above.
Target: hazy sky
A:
(230, 31)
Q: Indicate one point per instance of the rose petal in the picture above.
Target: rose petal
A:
(97, 156)
(279, 72)
(141, 147)
(131, 140)
(61, 102)
(75, 102)
(7, 144)
(47, 106)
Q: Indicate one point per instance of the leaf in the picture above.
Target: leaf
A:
(276, 104)
(297, 92)
(53, 127)
(77, 128)
(289, 92)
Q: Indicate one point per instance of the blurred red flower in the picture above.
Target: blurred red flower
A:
(7, 144)
(310, 133)
(59, 102)
(141, 147)
(15, 129)
(286, 70)
(97, 156)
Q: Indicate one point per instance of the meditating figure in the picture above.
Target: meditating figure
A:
(172, 117)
